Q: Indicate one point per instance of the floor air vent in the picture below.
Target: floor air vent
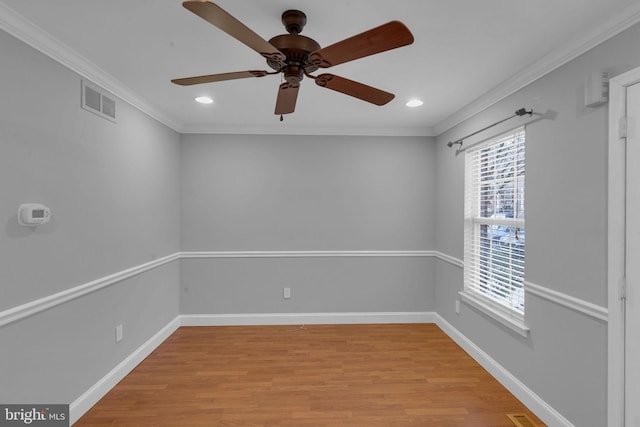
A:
(521, 420)
(97, 101)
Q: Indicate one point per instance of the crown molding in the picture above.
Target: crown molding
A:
(16, 25)
(311, 130)
(31, 34)
(550, 62)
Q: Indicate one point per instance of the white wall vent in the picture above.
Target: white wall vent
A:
(98, 101)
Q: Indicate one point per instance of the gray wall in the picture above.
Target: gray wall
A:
(564, 359)
(313, 193)
(113, 191)
(265, 193)
(318, 285)
(244, 192)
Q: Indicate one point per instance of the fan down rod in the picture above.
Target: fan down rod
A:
(518, 113)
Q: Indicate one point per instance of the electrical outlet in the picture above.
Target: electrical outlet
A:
(457, 306)
(286, 293)
(119, 332)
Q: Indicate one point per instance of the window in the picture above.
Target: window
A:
(494, 257)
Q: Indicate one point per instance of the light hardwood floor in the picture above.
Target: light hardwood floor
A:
(303, 376)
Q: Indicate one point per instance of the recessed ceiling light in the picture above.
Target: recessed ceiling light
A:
(204, 100)
(414, 103)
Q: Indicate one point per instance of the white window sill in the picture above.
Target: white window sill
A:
(511, 322)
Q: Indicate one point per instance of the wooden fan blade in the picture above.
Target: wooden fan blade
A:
(287, 96)
(389, 36)
(210, 78)
(355, 89)
(217, 16)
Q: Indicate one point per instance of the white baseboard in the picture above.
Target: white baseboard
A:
(542, 409)
(82, 404)
(538, 406)
(96, 392)
(85, 402)
(305, 318)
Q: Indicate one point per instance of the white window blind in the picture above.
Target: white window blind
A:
(494, 257)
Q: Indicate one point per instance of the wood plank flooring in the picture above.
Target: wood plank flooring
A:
(303, 376)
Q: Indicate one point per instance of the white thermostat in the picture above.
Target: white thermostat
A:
(30, 214)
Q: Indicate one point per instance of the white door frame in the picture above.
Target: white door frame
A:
(616, 246)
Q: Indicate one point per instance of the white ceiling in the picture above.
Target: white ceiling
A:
(467, 54)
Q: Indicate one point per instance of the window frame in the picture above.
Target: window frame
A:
(475, 241)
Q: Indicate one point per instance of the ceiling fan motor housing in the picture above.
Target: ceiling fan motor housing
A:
(295, 47)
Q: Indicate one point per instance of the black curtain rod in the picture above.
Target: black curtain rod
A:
(520, 112)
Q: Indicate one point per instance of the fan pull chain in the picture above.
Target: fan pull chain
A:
(281, 118)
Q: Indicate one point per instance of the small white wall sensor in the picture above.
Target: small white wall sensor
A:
(596, 89)
(30, 214)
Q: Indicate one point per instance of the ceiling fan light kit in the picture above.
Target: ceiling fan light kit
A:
(296, 56)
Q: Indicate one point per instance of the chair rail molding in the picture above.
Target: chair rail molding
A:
(34, 307)
(594, 310)
(31, 308)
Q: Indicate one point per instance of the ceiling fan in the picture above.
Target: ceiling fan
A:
(296, 56)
